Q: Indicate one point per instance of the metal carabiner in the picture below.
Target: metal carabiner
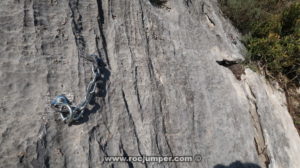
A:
(61, 103)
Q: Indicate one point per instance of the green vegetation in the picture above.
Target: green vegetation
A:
(271, 30)
(272, 35)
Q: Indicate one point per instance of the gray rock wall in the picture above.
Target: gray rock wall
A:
(163, 94)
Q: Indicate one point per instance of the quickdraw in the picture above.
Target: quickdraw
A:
(61, 104)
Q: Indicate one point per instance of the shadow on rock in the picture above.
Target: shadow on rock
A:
(101, 92)
(238, 164)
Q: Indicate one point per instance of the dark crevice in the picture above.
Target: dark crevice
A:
(259, 140)
(77, 32)
(150, 68)
(103, 148)
(238, 164)
(158, 3)
(210, 19)
(65, 162)
(157, 123)
(110, 12)
(36, 22)
(91, 139)
(167, 140)
(42, 159)
(77, 27)
(26, 18)
(125, 155)
(127, 33)
(150, 65)
(235, 66)
(97, 46)
(228, 63)
(164, 132)
(34, 15)
(136, 87)
(161, 117)
(100, 24)
(204, 12)
(58, 140)
(133, 62)
(133, 123)
(126, 104)
(188, 2)
(142, 17)
(157, 145)
(203, 7)
(90, 153)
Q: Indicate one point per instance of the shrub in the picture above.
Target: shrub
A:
(272, 28)
(291, 20)
(271, 31)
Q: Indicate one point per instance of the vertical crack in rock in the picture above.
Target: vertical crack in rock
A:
(35, 15)
(166, 137)
(100, 24)
(57, 142)
(26, 18)
(211, 21)
(133, 62)
(161, 140)
(97, 38)
(162, 123)
(150, 65)
(136, 88)
(91, 138)
(77, 32)
(42, 159)
(164, 131)
(259, 139)
(188, 2)
(77, 27)
(94, 138)
(157, 145)
(133, 123)
(203, 7)
(125, 155)
(209, 18)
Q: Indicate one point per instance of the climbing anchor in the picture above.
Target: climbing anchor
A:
(70, 113)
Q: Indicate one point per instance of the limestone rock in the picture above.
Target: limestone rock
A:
(163, 93)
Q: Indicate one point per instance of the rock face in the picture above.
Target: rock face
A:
(163, 93)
